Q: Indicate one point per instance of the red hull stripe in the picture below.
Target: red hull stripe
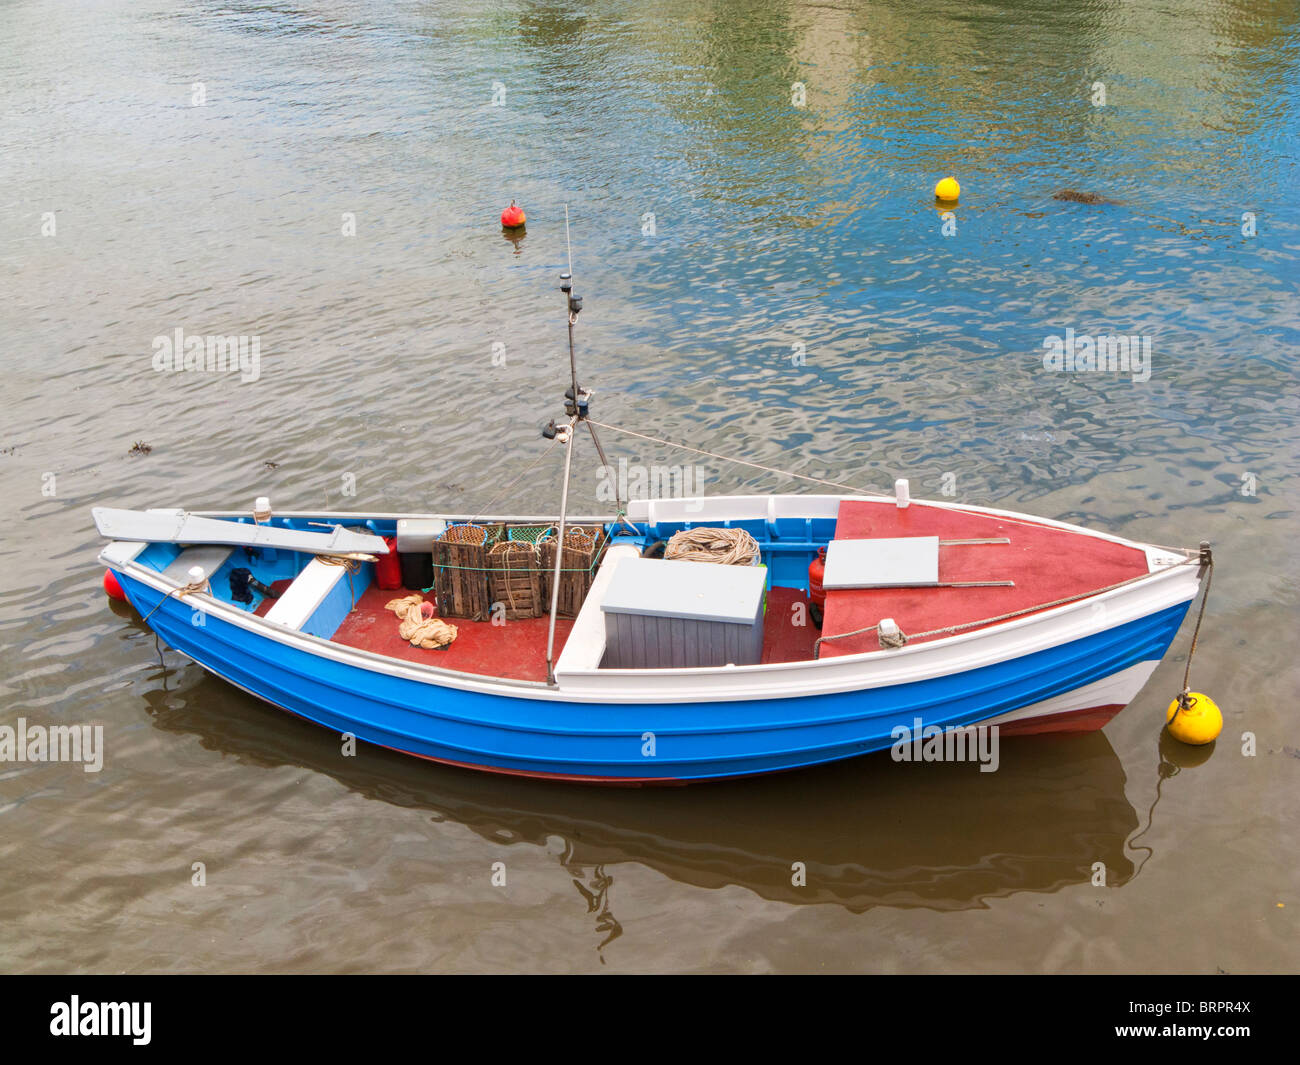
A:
(1088, 720)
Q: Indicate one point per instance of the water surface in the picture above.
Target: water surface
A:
(795, 302)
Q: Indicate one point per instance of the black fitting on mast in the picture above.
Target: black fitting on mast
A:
(577, 401)
(581, 406)
(566, 286)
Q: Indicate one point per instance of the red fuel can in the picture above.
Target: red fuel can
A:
(388, 568)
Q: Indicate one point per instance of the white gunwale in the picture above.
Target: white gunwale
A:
(1169, 582)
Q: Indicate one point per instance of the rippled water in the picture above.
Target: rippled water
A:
(778, 231)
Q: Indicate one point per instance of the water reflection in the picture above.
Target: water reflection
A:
(869, 832)
(515, 237)
(776, 224)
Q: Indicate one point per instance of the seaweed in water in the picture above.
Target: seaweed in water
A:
(1075, 196)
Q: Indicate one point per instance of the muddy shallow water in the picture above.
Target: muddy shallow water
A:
(762, 277)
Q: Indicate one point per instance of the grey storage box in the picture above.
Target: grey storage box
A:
(661, 614)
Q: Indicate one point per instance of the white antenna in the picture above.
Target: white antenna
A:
(576, 408)
(567, 243)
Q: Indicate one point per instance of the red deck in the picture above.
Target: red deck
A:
(1046, 564)
(517, 649)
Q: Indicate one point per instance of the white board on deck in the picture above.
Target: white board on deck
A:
(898, 562)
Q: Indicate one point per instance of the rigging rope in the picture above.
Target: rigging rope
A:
(728, 458)
(527, 469)
(872, 493)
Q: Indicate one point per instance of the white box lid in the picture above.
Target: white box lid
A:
(418, 534)
(693, 591)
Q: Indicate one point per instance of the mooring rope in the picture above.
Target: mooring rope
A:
(1206, 559)
(180, 593)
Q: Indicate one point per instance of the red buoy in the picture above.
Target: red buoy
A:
(512, 217)
(111, 587)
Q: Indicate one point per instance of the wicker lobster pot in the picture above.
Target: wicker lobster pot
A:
(515, 579)
(460, 579)
(583, 546)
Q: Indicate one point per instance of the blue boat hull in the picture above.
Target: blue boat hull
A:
(607, 742)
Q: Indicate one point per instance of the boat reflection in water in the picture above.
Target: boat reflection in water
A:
(870, 831)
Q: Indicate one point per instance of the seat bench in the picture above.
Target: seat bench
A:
(318, 599)
(585, 646)
(207, 557)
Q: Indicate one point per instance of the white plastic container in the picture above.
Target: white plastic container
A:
(416, 535)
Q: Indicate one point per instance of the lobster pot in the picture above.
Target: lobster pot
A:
(515, 579)
(583, 547)
(460, 578)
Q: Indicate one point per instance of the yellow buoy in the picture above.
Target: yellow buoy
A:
(947, 189)
(1199, 723)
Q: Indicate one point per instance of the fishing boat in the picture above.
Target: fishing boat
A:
(669, 641)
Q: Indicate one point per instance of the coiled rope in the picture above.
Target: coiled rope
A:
(731, 547)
